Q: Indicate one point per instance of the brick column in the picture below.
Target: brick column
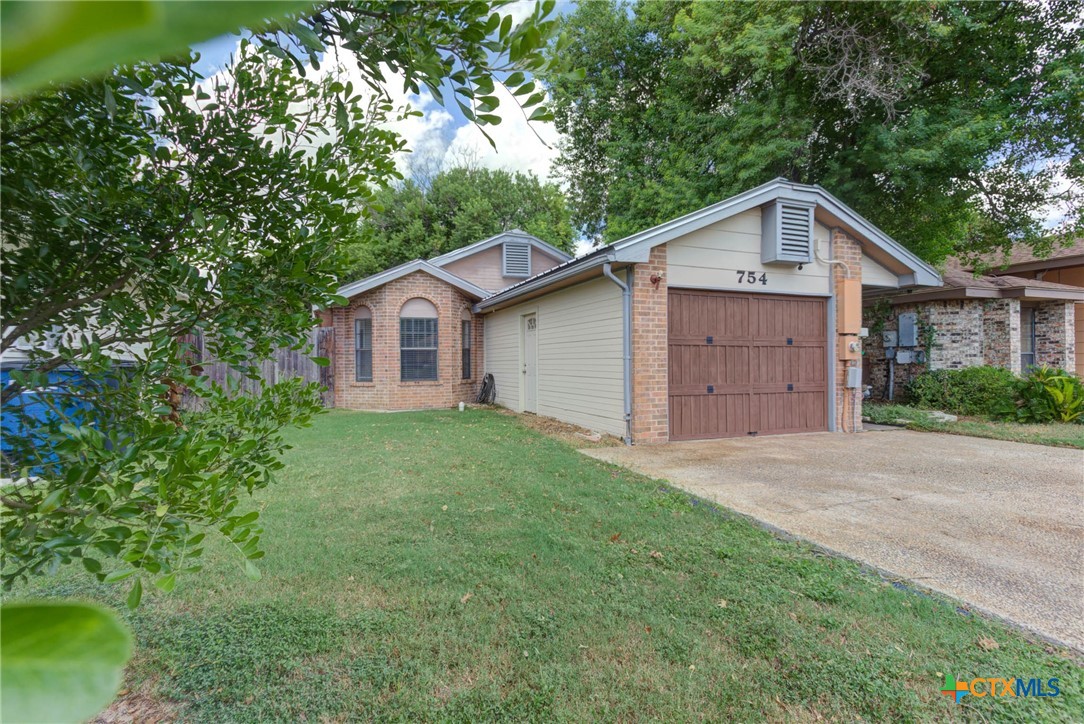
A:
(847, 250)
(650, 402)
(1055, 335)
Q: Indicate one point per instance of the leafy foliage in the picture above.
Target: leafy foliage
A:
(62, 661)
(1049, 395)
(454, 208)
(154, 203)
(967, 391)
(62, 41)
(951, 125)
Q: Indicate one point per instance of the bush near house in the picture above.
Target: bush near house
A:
(967, 391)
(1044, 395)
(1049, 395)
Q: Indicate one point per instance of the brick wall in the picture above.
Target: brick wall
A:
(387, 391)
(650, 390)
(998, 334)
(1055, 336)
(959, 340)
(848, 401)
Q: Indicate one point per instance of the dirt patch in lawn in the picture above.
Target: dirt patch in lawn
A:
(564, 431)
(138, 705)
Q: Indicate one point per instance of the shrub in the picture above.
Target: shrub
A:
(1049, 395)
(967, 391)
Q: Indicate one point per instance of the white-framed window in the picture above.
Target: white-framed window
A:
(418, 341)
(517, 259)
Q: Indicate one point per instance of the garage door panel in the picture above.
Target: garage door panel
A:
(702, 365)
(746, 363)
(707, 416)
(703, 314)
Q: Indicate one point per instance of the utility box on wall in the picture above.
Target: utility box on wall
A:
(908, 336)
(849, 299)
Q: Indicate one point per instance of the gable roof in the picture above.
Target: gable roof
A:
(389, 275)
(829, 210)
(961, 284)
(512, 235)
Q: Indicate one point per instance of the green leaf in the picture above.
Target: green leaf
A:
(118, 575)
(321, 361)
(59, 662)
(61, 41)
(167, 583)
(136, 594)
(110, 102)
(52, 500)
(252, 571)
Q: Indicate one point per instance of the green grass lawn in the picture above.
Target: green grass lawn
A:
(461, 567)
(1054, 434)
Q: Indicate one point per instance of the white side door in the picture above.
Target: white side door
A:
(530, 363)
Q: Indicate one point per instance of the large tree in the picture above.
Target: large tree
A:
(955, 126)
(152, 203)
(425, 216)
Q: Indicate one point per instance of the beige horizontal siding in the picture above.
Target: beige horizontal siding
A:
(579, 355)
(875, 275)
(710, 258)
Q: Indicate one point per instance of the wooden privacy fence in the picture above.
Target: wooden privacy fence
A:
(284, 363)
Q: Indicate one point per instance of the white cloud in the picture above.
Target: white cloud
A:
(518, 148)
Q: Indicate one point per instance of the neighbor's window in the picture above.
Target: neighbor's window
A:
(466, 348)
(418, 341)
(1027, 338)
(363, 345)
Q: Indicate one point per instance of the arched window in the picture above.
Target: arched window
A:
(363, 345)
(418, 340)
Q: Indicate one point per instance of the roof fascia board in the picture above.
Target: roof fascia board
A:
(530, 286)
(1038, 265)
(937, 294)
(377, 280)
(840, 213)
(1039, 293)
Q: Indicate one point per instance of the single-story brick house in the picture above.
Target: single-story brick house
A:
(1026, 312)
(742, 318)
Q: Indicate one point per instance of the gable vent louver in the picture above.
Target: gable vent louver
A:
(787, 233)
(517, 259)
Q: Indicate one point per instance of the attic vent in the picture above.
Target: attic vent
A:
(517, 260)
(787, 233)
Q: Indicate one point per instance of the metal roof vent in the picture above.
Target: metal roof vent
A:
(786, 232)
(517, 259)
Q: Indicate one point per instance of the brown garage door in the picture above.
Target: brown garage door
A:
(744, 364)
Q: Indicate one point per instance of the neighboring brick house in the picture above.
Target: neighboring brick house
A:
(742, 318)
(408, 339)
(1025, 313)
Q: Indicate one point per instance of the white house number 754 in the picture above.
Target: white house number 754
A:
(751, 278)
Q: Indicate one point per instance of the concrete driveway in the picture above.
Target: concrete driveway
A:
(999, 525)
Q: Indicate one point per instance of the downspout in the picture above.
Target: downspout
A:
(626, 345)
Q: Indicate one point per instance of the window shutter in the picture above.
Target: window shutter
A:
(787, 233)
(517, 260)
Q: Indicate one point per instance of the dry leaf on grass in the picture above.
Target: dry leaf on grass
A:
(466, 597)
(987, 644)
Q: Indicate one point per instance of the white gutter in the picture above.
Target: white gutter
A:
(626, 344)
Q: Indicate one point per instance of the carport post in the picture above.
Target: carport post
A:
(626, 344)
